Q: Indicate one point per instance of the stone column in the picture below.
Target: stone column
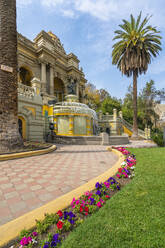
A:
(51, 81)
(146, 132)
(114, 123)
(121, 114)
(114, 114)
(149, 133)
(77, 90)
(71, 123)
(43, 76)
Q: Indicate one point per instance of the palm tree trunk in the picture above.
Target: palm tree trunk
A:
(135, 126)
(9, 134)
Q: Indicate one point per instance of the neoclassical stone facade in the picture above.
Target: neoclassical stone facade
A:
(45, 72)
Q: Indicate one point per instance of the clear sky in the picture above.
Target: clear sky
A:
(86, 28)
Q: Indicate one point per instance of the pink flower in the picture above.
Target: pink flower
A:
(125, 174)
(29, 239)
(99, 204)
(107, 196)
(25, 240)
(118, 175)
(77, 202)
(73, 206)
(34, 234)
(106, 184)
(73, 201)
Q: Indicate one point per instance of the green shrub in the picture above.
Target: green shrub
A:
(157, 137)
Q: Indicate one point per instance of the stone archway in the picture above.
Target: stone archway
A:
(22, 127)
(59, 89)
(25, 75)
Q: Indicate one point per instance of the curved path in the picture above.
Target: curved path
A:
(28, 183)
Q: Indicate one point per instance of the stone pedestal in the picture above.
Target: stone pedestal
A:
(114, 124)
(71, 98)
(105, 139)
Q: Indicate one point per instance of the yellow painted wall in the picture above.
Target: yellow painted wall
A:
(127, 131)
(45, 108)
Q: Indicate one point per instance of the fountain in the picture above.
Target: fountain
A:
(72, 118)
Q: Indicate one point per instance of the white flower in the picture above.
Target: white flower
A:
(34, 241)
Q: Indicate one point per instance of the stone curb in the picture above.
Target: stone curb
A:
(12, 229)
(27, 154)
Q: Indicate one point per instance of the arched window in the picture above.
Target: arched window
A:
(22, 127)
(59, 89)
(25, 76)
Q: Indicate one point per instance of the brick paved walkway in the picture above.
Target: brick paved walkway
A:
(28, 183)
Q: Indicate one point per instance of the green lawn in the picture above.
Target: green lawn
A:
(134, 217)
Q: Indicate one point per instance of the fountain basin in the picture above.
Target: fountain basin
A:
(72, 118)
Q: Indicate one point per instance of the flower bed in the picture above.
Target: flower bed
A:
(51, 231)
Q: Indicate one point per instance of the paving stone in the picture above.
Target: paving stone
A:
(3, 204)
(53, 175)
(6, 186)
(11, 195)
(36, 187)
(45, 197)
(27, 196)
(17, 206)
(20, 186)
(4, 220)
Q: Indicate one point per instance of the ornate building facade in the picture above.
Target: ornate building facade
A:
(45, 72)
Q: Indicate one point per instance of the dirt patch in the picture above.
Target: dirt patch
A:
(29, 146)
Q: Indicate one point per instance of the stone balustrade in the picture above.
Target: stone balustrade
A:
(25, 91)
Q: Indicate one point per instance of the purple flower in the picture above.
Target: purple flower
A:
(65, 215)
(72, 215)
(71, 221)
(98, 192)
(53, 244)
(111, 180)
(92, 200)
(46, 245)
(118, 187)
(98, 185)
(127, 171)
(55, 237)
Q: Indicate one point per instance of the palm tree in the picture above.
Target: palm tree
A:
(9, 134)
(138, 43)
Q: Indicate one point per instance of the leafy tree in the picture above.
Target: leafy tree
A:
(92, 96)
(103, 94)
(138, 43)
(109, 104)
(146, 101)
(95, 97)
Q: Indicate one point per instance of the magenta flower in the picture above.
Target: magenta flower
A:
(107, 184)
(34, 234)
(25, 241)
(125, 174)
(99, 204)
